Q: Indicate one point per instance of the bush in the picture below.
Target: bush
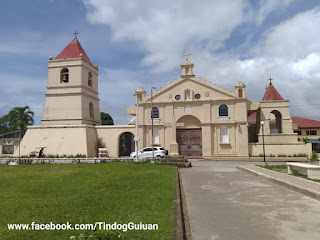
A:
(282, 155)
(314, 156)
(306, 140)
(302, 155)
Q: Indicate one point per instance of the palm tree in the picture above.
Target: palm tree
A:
(20, 118)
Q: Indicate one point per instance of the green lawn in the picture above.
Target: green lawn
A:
(277, 168)
(284, 169)
(83, 193)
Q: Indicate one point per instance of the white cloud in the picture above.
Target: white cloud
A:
(288, 52)
(165, 29)
(294, 38)
(308, 67)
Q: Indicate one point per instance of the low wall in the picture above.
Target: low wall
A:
(110, 135)
(60, 140)
(277, 149)
(6, 161)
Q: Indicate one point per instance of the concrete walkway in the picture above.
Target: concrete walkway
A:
(226, 203)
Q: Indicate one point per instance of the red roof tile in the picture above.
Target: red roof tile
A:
(305, 123)
(253, 116)
(73, 50)
(271, 94)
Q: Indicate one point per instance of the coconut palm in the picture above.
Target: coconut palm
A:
(20, 118)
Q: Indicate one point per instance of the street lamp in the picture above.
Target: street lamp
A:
(152, 140)
(264, 153)
(136, 139)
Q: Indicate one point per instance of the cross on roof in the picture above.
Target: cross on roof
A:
(270, 79)
(75, 34)
(187, 55)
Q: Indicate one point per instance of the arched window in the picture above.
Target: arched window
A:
(187, 95)
(240, 93)
(275, 122)
(224, 134)
(156, 136)
(90, 79)
(64, 76)
(155, 112)
(223, 110)
(91, 110)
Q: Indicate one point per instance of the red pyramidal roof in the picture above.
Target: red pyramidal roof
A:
(73, 50)
(253, 116)
(305, 123)
(271, 94)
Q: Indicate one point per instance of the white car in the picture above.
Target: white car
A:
(147, 152)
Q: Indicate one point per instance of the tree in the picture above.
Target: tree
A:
(20, 118)
(106, 119)
(306, 140)
(4, 124)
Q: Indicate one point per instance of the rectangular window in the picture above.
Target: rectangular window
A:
(312, 132)
(156, 136)
(7, 149)
(187, 95)
(224, 134)
(299, 132)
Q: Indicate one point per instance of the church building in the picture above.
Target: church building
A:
(188, 116)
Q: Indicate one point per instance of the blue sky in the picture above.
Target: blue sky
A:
(141, 43)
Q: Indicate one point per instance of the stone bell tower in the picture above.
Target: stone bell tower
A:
(72, 91)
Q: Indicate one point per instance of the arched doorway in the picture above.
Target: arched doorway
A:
(126, 144)
(275, 122)
(189, 136)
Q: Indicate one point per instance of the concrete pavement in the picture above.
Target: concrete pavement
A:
(226, 203)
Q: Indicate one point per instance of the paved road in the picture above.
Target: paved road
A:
(226, 203)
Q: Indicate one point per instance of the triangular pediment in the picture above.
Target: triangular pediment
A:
(207, 90)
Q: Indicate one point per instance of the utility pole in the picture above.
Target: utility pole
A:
(152, 140)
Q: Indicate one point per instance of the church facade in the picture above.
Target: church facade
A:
(189, 116)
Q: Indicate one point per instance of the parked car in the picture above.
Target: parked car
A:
(147, 152)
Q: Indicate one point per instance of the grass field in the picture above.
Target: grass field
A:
(284, 169)
(83, 193)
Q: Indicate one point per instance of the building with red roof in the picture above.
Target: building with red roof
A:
(307, 128)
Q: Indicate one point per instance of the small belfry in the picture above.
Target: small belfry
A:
(187, 66)
(72, 91)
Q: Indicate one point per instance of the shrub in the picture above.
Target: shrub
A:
(314, 156)
(306, 140)
(302, 155)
